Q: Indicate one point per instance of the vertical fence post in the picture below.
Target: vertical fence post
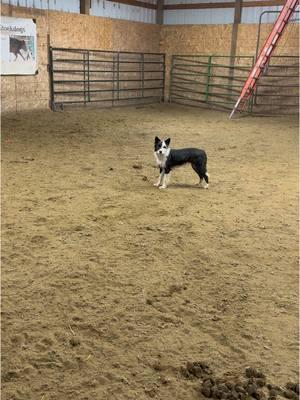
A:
(84, 77)
(88, 74)
(171, 78)
(118, 76)
(254, 95)
(113, 79)
(143, 73)
(208, 79)
(163, 78)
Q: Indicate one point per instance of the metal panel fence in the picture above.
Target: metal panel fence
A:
(208, 80)
(107, 77)
(216, 82)
(278, 88)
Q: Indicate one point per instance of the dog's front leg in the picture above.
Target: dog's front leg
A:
(165, 182)
(161, 177)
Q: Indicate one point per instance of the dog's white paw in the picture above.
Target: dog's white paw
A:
(163, 187)
(205, 186)
(156, 184)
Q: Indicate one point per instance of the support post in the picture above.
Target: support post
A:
(234, 34)
(160, 12)
(85, 6)
(52, 94)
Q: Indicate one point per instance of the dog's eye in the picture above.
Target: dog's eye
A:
(164, 147)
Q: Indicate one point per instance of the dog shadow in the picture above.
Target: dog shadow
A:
(185, 186)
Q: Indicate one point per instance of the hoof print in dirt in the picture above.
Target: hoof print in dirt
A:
(10, 376)
(137, 166)
(157, 366)
(74, 341)
(150, 392)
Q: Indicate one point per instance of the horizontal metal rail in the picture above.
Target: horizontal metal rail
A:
(214, 65)
(206, 56)
(239, 79)
(70, 92)
(107, 61)
(206, 84)
(106, 80)
(81, 71)
(67, 50)
(106, 100)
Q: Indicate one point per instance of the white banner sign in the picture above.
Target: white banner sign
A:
(18, 46)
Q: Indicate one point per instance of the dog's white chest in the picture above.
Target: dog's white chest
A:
(160, 159)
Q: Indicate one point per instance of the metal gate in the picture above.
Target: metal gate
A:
(106, 77)
(216, 82)
(208, 80)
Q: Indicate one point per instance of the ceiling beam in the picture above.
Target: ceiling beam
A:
(136, 3)
(231, 4)
(194, 6)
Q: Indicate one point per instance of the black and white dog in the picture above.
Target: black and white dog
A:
(167, 159)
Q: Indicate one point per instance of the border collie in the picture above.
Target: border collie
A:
(167, 159)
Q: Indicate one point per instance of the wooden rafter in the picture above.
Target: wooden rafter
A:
(136, 3)
(231, 4)
(195, 6)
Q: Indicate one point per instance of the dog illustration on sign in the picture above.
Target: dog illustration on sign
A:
(18, 48)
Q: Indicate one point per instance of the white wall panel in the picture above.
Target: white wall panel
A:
(59, 5)
(250, 15)
(202, 17)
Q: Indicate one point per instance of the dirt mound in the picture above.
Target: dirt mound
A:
(250, 385)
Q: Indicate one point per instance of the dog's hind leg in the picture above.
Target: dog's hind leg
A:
(200, 170)
(205, 177)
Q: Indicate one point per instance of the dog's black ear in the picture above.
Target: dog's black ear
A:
(157, 139)
(168, 141)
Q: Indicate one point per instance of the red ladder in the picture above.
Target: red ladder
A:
(265, 54)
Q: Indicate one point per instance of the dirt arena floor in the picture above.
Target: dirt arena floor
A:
(110, 286)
